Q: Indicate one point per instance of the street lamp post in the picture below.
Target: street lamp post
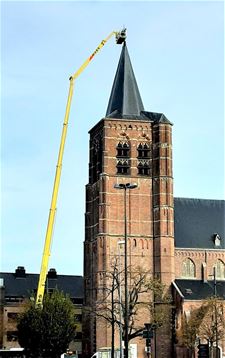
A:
(215, 307)
(120, 243)
(125, 187)
(215, 295)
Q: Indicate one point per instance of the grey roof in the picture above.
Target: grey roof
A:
(155, 117)
(197, 221)
(125, 99)
(26, 284)
(198, 289)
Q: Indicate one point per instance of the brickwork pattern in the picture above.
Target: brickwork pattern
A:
(204, 260)
(149, 246)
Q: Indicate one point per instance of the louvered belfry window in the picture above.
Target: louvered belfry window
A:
(123, 158)
(96, 159)
(143, 157)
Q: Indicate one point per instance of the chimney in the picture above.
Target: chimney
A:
(52, 273)
(2, 292)
(20, 272)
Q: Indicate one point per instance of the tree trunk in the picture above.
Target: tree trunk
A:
(113, 324)
(211, 351)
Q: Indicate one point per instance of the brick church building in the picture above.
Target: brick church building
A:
(177, 240)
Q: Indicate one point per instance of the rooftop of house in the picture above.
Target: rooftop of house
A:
(22, 284)
(199, 223)
(198, 289)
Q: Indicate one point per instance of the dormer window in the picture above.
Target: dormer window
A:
(216, 239)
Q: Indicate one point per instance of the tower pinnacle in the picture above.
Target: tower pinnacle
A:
(125, 100)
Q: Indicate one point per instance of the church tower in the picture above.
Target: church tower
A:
(129, 145)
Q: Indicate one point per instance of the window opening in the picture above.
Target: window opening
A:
(144, 168)
(96, 161)
(123, 150)
(78, 317)
(123, 155)
(123, 167)
(143, 159)
(143, 151)
(220, 270)
(12, 316)
(188, 269)
(12, 336)
(78, 335)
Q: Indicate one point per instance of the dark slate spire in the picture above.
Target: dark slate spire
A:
(125, 100)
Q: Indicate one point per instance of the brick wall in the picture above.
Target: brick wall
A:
(199, 257)
(151, 201)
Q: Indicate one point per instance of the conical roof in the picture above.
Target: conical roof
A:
(125, 100)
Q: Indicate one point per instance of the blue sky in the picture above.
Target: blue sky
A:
(176, 49)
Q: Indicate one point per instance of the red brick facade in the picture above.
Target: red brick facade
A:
(150, 247)
(204, 261)
(150, 222)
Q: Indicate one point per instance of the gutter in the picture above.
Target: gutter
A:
(178, 290)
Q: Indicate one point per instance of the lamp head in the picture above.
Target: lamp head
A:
(131, 185)
(126, 186)
(119, 186)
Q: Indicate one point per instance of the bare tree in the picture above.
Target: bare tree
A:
(146, 295)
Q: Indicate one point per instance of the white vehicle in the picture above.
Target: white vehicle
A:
(105, 352)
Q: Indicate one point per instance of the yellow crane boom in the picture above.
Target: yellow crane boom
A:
(120, 38)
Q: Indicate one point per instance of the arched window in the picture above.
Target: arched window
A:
(188, 269)
(123, 150)
(144, 167)
(143, 156)
(123, 166)
(143, 151)
(123, 155)
(220, 270)
(96, 159)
